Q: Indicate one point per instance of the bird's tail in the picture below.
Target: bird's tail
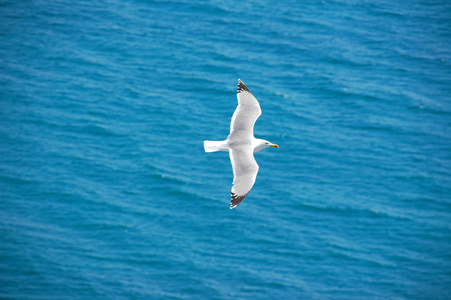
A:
(213, 146)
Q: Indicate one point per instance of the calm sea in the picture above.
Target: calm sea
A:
(105, 189)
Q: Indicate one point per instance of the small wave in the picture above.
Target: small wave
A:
(371, 213)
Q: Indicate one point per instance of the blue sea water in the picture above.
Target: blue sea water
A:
(105, 189)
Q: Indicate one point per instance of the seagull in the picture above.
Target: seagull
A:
(241, 144)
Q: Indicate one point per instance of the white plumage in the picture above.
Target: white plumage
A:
(241, 144)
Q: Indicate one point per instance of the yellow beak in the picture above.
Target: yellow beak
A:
(274, 145)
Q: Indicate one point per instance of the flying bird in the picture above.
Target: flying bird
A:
(241, 144)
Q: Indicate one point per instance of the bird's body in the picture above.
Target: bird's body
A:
(213, 146)
(241, 144)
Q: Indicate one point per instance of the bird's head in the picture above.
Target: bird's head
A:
(262, 144)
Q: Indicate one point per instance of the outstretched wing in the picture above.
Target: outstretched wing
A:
(245, 115)
(245, 170)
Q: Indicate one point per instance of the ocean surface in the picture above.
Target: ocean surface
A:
(106, 191)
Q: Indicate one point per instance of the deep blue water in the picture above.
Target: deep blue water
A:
(106, 192)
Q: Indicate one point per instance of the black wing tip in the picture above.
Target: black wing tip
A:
(236, 199)
(242, 87)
